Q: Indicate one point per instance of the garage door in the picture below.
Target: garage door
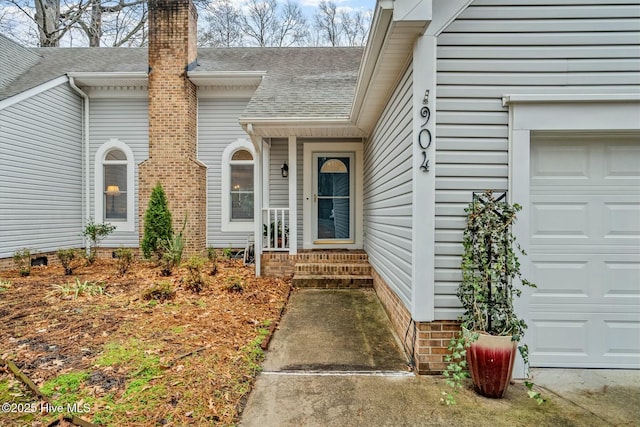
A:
(585, 251)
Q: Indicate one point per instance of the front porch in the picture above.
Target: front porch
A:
(308, 196)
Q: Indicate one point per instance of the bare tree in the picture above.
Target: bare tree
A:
(326, 22)
(292, 26)
(354, 27)
(54, 20)
(224, 23)
(259, 23)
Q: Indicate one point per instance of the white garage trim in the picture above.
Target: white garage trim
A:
(556, 113)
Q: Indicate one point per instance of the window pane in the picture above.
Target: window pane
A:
(115, 191)
(242, 192)
(242, 155)
(242, 178)
(115, 155)
(241, 206)
(333, 176)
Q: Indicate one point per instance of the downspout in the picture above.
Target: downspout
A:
(85, 142)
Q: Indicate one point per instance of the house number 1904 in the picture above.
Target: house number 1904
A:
(424, 138)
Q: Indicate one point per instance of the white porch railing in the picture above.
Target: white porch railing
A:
(275, 229)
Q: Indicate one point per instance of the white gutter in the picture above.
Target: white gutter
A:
(86, 165)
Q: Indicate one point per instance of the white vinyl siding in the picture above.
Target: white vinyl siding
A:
(500, 47)
(278, 186)
(126, 120)
(41, 173)
(388, 191)
(218, 127)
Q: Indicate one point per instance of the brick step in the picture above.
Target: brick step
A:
(332, 257)
(333, 269)
(343, 281)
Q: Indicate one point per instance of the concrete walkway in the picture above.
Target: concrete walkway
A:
(335, 362)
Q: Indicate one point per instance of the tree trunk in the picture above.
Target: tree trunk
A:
(47, 18)
(95, 27)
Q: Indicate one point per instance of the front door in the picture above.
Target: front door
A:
(333, 204)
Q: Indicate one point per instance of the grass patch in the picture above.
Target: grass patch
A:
(64, 389)
(142, 391)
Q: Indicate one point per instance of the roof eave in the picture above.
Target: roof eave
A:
(308, 127)
(390, 44)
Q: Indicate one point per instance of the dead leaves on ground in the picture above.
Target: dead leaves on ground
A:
(199, 339)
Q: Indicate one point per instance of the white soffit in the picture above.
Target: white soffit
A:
(302, 128)
(116, 79)
(250, 79)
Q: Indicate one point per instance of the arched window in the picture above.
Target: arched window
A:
(114, 201)
(237, 187)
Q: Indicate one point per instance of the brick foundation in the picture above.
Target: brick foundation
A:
(278, 264)
(427, 340)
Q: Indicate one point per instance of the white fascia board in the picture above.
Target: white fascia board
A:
(32, 92)
(381, 22)
(570, 97)
(412, 10)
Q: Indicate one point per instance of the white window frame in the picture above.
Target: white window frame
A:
(114, 144)
(227, 224)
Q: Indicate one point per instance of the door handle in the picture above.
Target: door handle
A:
(315, 198)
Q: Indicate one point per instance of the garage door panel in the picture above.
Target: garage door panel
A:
(622, 338)
(620, 160)
(584, 251)
(553, 336)
(560, 220)
(585, 220)
(621, 220)
(568, 280)
(583, 340)
(555, 279)
(550, 161)
(621, 278)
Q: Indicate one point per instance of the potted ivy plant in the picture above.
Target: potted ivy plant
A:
(491, 329)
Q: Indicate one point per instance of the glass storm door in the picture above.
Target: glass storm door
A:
(333, 209)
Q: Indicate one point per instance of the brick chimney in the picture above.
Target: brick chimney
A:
(173, 121)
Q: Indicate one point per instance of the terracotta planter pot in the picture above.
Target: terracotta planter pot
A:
(490, 359)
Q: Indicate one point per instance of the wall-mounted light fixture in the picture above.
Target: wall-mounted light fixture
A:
(284, 169)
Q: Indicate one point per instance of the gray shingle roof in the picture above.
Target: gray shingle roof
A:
(17, 59)
(300, 82)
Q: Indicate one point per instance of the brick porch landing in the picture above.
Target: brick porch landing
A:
(339, 269)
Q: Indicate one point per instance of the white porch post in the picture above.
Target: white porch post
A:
(293, 196)
(257, 200)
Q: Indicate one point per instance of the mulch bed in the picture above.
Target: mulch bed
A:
(203, 342)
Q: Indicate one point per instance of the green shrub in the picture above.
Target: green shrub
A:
(67, 257)
(234, 284)
(124, 258)
(195, 281)
(212, 255)
(22, 260)
(161, 291)
(157, 224)
(96, 233)
(227, 253)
